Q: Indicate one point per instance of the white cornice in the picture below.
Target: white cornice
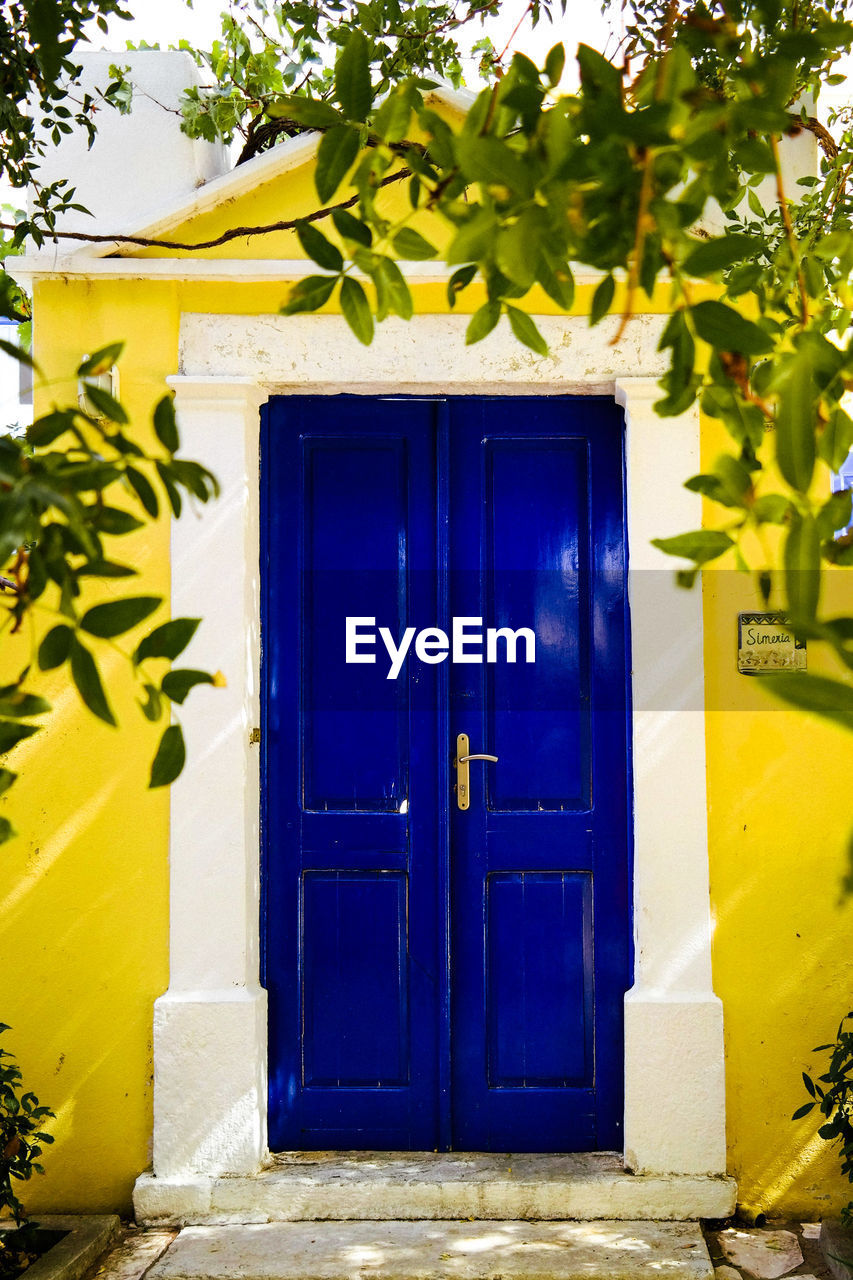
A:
(49, 265)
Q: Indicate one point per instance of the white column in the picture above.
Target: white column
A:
(210, 1034)
(674, 1064)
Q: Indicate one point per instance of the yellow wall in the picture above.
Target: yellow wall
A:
(84, 925)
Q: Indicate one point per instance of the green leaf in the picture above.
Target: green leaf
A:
(7, 777)
(408, 244)
(115, 521)
(49, 427)
(318, 248)
(391, 121)
(734, 478)
(101, 360)
(352, 77)
(554, 63)
(168, 640)
(55, 647)
(170, 757)
(835, 514)
(517, 249)
(311, 112)
(17, 353)
(84, 672)
(802, 567)
(711, 256)
(459, 281)
(356, 310)
(117, 616)
(702, 545)
(105, 569)
(492, 162)
(482, 322)
(165, 426)
(152, 707)
(474, 239)
(309, 294)
(397, 296)
(820, 695)
(834, 442)
(144, 490)
(7, 832)
(350, 228)
(598, 73)
(19, 705)
(172, 492)
(725, 329)
(557, 280)
(602, 299)
(803, 1110)
(177, 684)
(771, 508)
(335, 156)
(105, 404)
(11, 733)
(525, 330)
(795, 426)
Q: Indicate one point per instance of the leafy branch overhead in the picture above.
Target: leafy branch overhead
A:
(684, 124)
(75, 482)
(617, 176)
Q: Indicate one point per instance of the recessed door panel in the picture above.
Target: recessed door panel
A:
(356, 541)
(536, 568)
(354, 980)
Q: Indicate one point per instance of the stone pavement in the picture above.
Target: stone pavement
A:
(467, 1250)
(781, 1248)
(414, 1251)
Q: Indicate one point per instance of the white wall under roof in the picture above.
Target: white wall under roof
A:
(141, 162)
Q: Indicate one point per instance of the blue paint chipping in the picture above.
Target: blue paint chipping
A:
(441, 979)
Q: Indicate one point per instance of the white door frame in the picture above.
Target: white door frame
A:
(210, 1031)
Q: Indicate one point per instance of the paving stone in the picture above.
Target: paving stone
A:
(132, 1257)
(438, 1251)
(764, 1254)
(836, 1245)
(810, 1230)
(726, 1273)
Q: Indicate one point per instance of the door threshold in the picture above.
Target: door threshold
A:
(394, 1186)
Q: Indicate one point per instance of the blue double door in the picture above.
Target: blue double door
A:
(444, 977)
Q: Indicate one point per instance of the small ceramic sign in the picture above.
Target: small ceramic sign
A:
(765, 647)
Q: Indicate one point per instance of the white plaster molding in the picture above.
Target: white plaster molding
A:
(210, 1026)
(675, 1119)
(428, 353)
(53, 263)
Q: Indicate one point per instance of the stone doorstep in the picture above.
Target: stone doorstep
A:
(70, 1258)
(383, 1186)
(438, 1251)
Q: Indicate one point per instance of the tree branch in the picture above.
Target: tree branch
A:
(234, 233)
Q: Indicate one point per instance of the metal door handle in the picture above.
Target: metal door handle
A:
(463, 755)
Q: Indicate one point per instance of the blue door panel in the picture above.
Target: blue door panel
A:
(440, 978)
(539, 984)
(356, 542)
(354, 979)
(537, 569)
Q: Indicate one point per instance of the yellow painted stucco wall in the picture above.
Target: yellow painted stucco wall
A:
(84, 925)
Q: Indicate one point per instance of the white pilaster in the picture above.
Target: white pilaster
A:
(210, 1026)
(674, 1068)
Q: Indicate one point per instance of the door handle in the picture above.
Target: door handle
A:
(463, 755)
